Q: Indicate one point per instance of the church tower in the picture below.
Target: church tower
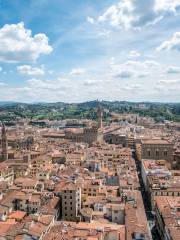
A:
(99, 116)
(4, 143)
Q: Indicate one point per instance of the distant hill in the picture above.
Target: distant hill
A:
(2, 103)
(11, 111)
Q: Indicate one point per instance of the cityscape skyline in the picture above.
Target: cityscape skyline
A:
(90, 120)
(77, 51)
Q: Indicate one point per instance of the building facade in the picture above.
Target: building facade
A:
(71, 202)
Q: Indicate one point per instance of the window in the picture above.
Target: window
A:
(165, 153)
(149, 153)
(157, 153)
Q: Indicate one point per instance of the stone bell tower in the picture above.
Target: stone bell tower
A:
(99, 117)
(4, 143)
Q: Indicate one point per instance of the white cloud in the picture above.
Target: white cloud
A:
(105, 33)
(37, 90)
(128, 69)
(0, 69)
(172, 44)
(132, 87)
(17, 44)
(123, 74)
(167, 5)
(49, 85)
(151, 63)
(90, 20)
(169, 81)
(136, 13)
(142, 75)
(134, 54)
(173, 70)
(90, 83)
(2, 84)
(29, 70)
(77, 71)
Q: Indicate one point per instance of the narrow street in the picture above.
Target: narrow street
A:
(150, 216)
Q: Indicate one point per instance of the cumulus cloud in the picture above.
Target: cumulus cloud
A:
(123, 74)
(29, 70)
(17, 44)
(172, 44)
(77, 71)
(173, 70)
(49, 85)
(142, 64)
(167, 5)
(136, 13)
(128, 69)
(36, 90)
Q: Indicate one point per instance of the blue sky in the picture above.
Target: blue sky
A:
(79, 50)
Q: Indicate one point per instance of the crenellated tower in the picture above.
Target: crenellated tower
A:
(99, 116)
(4, 143)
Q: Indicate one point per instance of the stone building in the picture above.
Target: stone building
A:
(158, 149)
(71, 202)
(177, 159)
(167, 220)
(88, 134)
(6, 173)
(115, 138)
